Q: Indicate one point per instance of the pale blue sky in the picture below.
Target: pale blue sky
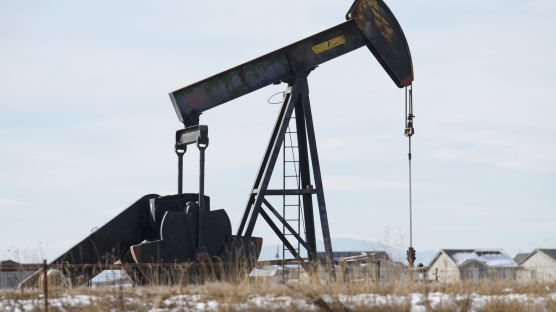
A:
(86, 125)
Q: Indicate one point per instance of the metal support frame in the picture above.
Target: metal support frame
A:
(285, 223)
(180, 152)
(296, 97)
(197, 134)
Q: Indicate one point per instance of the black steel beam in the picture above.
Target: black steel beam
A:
(267, 166)
(318, 179)
(264, 162)
(106, 245)
(288, 192)
(286, 224)
(281, 236)
(265, 70)
(305, 176)
(370, 23)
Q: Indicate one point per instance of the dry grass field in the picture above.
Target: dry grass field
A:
(316, 295)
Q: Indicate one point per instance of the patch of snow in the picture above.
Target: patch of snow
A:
(493, 258)
(271, 302)
(418, 303)
(33, 304)
(197, 302)
(266, 271)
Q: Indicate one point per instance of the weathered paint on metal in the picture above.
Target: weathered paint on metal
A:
(330, 44)
(371, 24)
(386, 39)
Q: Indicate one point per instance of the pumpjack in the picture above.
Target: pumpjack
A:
(181, 228)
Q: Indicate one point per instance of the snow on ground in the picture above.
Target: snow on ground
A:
(33, 304)
(197, 302)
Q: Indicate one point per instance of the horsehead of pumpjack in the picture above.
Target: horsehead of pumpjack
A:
(182, 228)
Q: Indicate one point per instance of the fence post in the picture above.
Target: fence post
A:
(378, 271)
(45, 284)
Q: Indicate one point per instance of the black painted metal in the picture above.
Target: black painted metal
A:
(197, 134)
(386, 39)
(192, 135)
(285, 223)
(267, 165)
(111, 242)
(260, 172)
(281, 236)
(288, 192)
(263, 71)
(293, 95)
(202, 206)
(180, 153)
(298, 96)
(318, 179)
(304, 172)
(370, 23)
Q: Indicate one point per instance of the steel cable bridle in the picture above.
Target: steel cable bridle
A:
(409, 131)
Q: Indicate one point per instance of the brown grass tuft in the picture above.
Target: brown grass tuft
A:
(317, 293)
(500, 305)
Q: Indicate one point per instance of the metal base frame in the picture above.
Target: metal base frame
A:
(296, 97)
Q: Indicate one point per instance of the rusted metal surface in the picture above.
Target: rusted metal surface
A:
(265, 70)
(372, 24)
(386, 39)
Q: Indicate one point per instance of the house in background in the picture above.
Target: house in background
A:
(11, 275)
(451, 265)
(520, 257)
(539, 265)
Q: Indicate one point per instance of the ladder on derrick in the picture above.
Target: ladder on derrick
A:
(291, 204)
(296, 98)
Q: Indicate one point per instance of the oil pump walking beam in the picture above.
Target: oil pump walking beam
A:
(370, 23)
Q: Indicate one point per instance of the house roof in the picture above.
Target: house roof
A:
(490, 257)
(520, 257)
(549, 252)
(8, 262)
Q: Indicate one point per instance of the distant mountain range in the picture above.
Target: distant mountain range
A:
(351, 244)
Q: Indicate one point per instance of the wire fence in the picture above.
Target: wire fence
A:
(356, 269)
(361, 259)
(364, 265)
(348, 268)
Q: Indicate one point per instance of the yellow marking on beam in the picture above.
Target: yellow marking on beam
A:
(382, 23)
(327, 45)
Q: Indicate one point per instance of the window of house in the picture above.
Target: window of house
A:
(505, 273)
(473, 274)
(11, 281)
(533, 274)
